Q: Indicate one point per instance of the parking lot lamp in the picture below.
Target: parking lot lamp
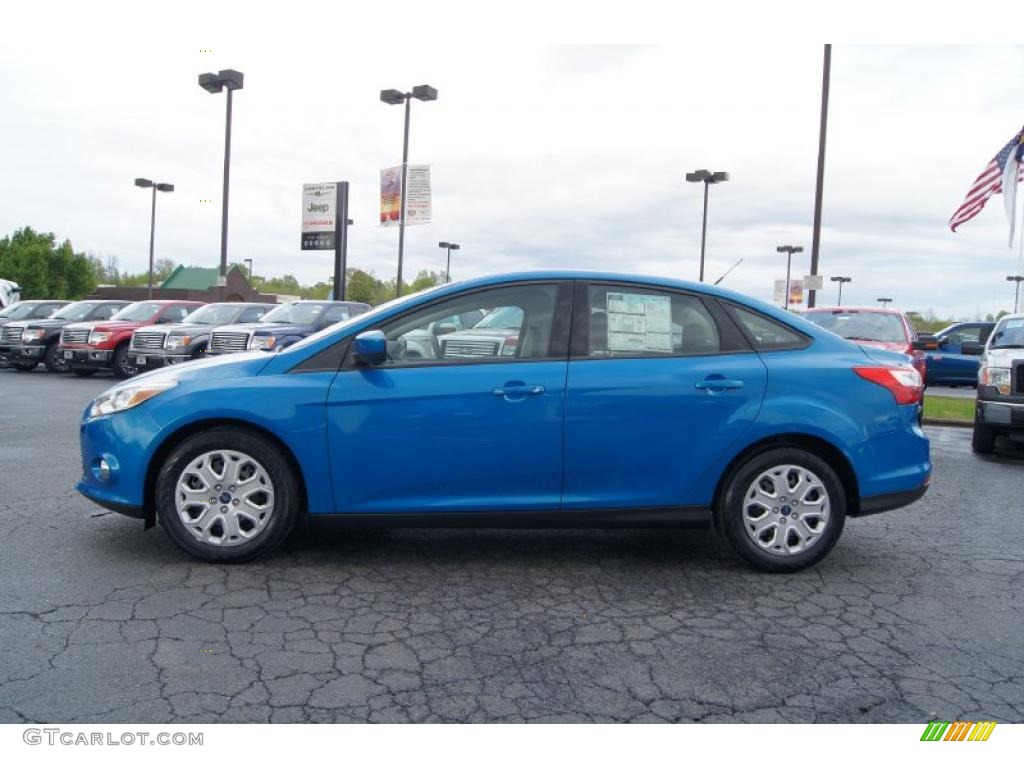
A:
(392, 96)
(841, 280)
(885, 301)
(708, 178)
(448, 269)
(248, 264)
(1016, 290)
(789, 250)
(231, 80)
(156, 187)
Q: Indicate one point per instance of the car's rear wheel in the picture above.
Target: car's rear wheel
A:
(25, 365)
(53, 360)
(783, 509)
(227, 495)
(983, 440)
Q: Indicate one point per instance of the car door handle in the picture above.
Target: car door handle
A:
(714, 385)
(519, 390)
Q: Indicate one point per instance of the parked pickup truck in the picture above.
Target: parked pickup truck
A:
(283, 326)
(88, 347)
(1000, 404)
(37, 340)
(16, 312)
(154, 346)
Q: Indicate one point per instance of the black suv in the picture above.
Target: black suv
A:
(154, 346)
(284, 325)
(37, 340)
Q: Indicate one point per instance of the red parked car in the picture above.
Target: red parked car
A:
(872, 327)
(88, 347)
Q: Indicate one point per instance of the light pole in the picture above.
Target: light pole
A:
(146, 183)
(1016, 291)
(248, 263)
(231, 80)
(708, 178)
(448, 270)
(391, 96)
(885, 301)
(841, 280)
(789, 250)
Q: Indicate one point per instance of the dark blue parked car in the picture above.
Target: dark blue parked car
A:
(616, 401)
(283, 326)
(949, 364)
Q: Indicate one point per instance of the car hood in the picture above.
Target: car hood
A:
(58, 323)
(483, 332)
(108, 326)
(192, 329)
(1002, 358)
(266, 329)
(241, 365)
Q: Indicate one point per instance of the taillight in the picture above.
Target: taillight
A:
(904, 383)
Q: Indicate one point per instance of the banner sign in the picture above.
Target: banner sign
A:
(814, 282)
(417, 195)
(796, 292)
(391, 196)
(318, 216)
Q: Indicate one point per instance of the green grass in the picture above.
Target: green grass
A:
(937, 407)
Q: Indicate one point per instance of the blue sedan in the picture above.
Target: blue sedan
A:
(611, 401)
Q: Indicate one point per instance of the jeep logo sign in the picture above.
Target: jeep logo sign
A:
(318, 214)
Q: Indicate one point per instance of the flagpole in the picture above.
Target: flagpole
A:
(1020, 265)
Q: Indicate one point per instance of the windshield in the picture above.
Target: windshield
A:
(138, 312)
(860, 326)
(77, 311)
(503, 318)
(1009, 334)
(18, 311)
(300, 314)
(214, 314)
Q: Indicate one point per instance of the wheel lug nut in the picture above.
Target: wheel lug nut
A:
(223, 509)
(236, 502)
(216, 487)
(231, 488)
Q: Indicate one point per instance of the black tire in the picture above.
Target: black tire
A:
(52, 359)
(983, 440)
(84, 372)
(733, 501)
(283, 513)
(25, 365)
(121, 367)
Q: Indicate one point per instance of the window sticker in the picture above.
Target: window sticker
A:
(639, 322)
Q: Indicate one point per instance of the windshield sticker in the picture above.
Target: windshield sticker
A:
(639, 323)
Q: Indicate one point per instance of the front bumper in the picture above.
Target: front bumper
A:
(146, 360)
(86, 358)
(25, 351)
(1001, 416)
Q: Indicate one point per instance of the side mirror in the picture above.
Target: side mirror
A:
(926, 343)
(370, 348)
(972, 348)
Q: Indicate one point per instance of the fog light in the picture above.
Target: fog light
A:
(103, 468)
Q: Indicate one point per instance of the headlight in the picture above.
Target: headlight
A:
(98, 337)
(995, 377)
(32, 334)
(262, 342)
(176, 340)
(122, 398)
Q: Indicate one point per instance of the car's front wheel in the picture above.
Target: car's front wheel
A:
(53, 360)
(121, 366)
(227, 495)
(783, 509)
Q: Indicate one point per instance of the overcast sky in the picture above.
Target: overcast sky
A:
(541, 155)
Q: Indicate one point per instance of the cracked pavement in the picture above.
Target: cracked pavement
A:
(917, 613)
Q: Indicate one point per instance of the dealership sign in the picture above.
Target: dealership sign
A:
(417, 195)
(319, 227)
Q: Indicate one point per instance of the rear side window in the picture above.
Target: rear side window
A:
(767, 334)
(631, 321)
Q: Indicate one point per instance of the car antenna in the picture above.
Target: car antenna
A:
(730, 269)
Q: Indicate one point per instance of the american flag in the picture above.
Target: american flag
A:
(989, 182)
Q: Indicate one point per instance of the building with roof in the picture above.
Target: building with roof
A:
(190, 284)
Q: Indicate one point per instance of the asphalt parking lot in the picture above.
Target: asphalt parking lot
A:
(917, 614)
